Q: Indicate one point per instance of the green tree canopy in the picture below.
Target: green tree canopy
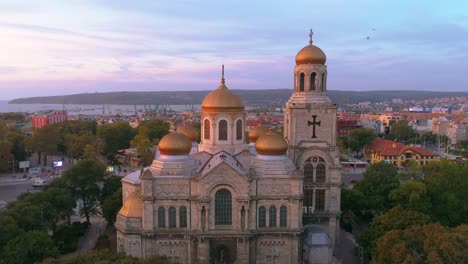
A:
(30, 247)
(82, 180)
(412, 195)
(115, 136)
(431, 244)
(379, 180)
(396, 218)
(447, 185)
(358, 138)
(402, 132)
(157, 128)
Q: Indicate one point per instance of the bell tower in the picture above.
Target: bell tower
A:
(310, 129)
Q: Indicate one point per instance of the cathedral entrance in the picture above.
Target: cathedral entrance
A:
(222, 251)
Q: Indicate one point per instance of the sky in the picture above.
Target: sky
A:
(56, 47)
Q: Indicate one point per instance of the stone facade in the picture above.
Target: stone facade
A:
(232, 202)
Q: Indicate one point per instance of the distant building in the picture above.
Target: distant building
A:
(396, 153)
(45, 119)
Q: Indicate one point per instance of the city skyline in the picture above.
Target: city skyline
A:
(104, 46)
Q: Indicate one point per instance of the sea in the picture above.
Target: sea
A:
(83, 109)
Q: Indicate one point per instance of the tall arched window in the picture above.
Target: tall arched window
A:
(172, 217)
(320, 200)
(222, 130)
(223, 207)
(272, 218)
(206, 129)
(239, 129)
(308, 173)
(312, 81)
(261, 216)
(161, 217)
(301, 82)
(320, 173)
(283, 216)
(183, 217)
(323, 82)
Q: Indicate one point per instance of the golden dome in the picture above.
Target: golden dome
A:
(310, 54)
(132, 207)
(222, 99)
(175, 144)
(188, 131)
(255, 133)
(271, 144)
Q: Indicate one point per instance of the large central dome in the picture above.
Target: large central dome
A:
(222, 99)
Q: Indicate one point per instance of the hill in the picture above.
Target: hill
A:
(250, 97)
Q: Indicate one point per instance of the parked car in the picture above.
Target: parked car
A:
(39, 183)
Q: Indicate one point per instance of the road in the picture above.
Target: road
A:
(9, 191)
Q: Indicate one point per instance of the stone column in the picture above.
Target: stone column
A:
(204, 250)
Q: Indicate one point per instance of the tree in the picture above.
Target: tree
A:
(429, 244)
(76, 144)
(352, 203)
(56, 205)
(82, 181)
(30, 247)
(115, 136)
(379, 180)
(5, 155)
(412, 195)
(26, 212)
(402, 132)
(8, 229)
(396, 218)
(45, 141)
(144, 145)
(157, 128)
(358, 138)
(446, 184)
(111, 206)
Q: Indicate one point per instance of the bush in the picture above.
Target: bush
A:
(67, 237)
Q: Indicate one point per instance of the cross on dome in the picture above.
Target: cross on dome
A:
(222, 75)
(310, 36)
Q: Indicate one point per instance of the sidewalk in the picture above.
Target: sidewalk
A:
(90, 238)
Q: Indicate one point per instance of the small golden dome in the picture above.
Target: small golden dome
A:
(132, 207)
(271, 144)
(189, 132)
(255, 133)
(175, 144)
(310, 54)
(222, 99)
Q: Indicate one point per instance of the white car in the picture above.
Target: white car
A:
(39, 183)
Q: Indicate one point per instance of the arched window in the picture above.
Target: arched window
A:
(222, 130)
(301, 82)
(172, 217)
(323, 82)
(239, 129)
(223, 207)
(261, 216)
(161, 217)
(320, 173)
(319, 200)
(308, 201)
(308, 173)
(312, 81)
(272, 218)
(206, 129)
(183, 217)
(283, 216)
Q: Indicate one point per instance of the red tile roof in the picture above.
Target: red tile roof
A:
(385, 147)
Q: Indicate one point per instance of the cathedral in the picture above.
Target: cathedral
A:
(275, 199)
